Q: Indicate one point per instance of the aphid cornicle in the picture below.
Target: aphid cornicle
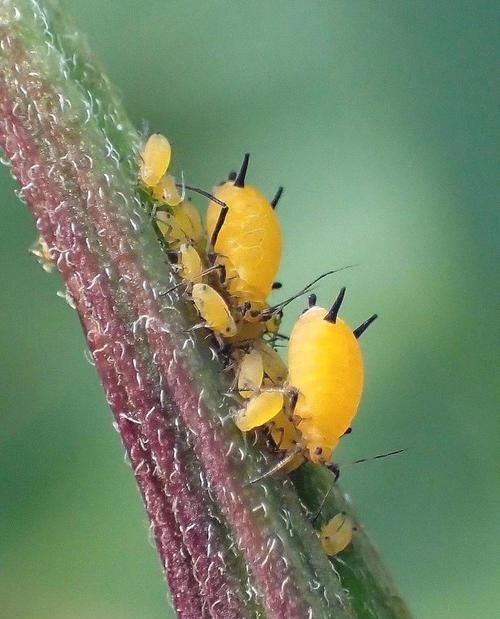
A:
(325, 377)
(248, 240)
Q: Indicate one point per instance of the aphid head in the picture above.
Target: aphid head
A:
(239, 181)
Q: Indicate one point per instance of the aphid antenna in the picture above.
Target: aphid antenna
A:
(280, 306)
(239, 181)
(378, 457)
(277, 197)
(202, 192)
(216, 267)
(336, 468)
(279, 465)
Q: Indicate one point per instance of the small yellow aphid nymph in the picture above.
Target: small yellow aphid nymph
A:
(191, 266)
(336, 535)
(41, 251)
(250, 374)
(214, 310)
(155, 158)
(259, 410)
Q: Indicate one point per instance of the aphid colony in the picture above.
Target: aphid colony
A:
(228, 270)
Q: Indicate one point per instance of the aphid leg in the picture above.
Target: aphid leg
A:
(293, 396)
(279, 465)
(323, 501)
(334, 468)
(281, 432)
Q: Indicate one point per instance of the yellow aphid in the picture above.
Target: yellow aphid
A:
(248, 332)
(284, 432)
(336, 534)
(259, 410)
(189, 218)
(190, 263)
(249, 238)
(41, 251)
(325, 370)
(250, 374)
(170, 229)
(274, 366)
(214, 310)
(155, 157)
(181, 224)
(166, 191)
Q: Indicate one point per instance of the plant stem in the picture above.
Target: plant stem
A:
(229, 548)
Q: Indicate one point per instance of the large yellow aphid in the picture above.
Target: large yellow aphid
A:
(214, 310)
(155, 157)
(336, 534)
(325, 374)
(246, 235)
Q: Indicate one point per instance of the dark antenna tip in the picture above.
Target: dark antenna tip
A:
(240, 179)
(358, 331)
(312, 300)
(276, 199)
(334, 310)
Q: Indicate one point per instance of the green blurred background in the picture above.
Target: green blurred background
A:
(381, 120)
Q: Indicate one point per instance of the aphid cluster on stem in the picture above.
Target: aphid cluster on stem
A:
(228, 270)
